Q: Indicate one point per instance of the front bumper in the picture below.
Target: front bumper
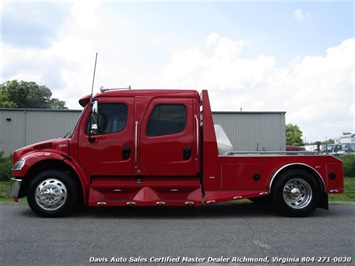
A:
(15, 188)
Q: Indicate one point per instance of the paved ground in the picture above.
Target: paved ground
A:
(213, 235)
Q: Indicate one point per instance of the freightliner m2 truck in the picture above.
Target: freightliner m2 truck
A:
(159, 147)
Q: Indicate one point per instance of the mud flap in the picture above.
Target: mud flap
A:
(324, 202)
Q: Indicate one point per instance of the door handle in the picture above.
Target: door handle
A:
(126, 153)
(197, 137)
(187, 153)
(135, 143)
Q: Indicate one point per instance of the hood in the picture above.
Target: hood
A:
(59, 145)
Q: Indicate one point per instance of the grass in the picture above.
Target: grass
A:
(5, 192)
(348, 196)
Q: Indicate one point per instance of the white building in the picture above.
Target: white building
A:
(348, 138)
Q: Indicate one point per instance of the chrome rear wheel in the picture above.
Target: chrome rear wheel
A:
(297, 193)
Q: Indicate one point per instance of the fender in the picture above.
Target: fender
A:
(34, 158)
(82, 175)
(303, 166)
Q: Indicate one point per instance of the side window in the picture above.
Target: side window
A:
(166, 119)
(112, 117)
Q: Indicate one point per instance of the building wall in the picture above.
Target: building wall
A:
(247, 131)
(21, 127)
(254, 131)
(349, 138)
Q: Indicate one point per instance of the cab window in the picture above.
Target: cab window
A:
(166, 119)
(111, 118)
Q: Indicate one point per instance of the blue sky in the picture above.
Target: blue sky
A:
(288, 56)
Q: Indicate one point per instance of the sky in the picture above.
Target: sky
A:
(292, 56)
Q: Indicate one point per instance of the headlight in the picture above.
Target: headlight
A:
(18, 165)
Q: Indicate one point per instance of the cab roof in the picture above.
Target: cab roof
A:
(149, 92)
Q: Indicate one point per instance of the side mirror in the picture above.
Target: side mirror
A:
(95, 107)
(94, 115)
(94, 128)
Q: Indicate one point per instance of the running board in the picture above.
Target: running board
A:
(177, 191)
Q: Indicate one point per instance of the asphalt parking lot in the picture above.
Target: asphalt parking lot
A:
(213, 235)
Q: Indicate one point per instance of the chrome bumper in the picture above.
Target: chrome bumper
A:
(15, 188)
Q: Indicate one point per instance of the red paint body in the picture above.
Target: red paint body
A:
(130, 167)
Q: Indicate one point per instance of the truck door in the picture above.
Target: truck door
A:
(109, 151)
(167, 136)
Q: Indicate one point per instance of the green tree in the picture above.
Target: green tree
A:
(293, 135)
(5, 167)
(23, 94)
(4, 99)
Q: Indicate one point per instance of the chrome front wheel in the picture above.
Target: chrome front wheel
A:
(51, 194)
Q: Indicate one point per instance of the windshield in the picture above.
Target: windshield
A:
(70, 133)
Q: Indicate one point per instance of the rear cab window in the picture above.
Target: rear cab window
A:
(166, 119)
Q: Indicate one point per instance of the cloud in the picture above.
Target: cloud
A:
(299, 15)
(212, 39)
(223, 69)
(30, 25)
(127, 53)
(315, 91)
(64, 65)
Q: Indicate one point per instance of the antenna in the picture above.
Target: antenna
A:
(92, 92)
(93, 79)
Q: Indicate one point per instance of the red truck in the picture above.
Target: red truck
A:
(159, 147)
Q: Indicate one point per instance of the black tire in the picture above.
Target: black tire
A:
(52, 193)
(295, 193)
